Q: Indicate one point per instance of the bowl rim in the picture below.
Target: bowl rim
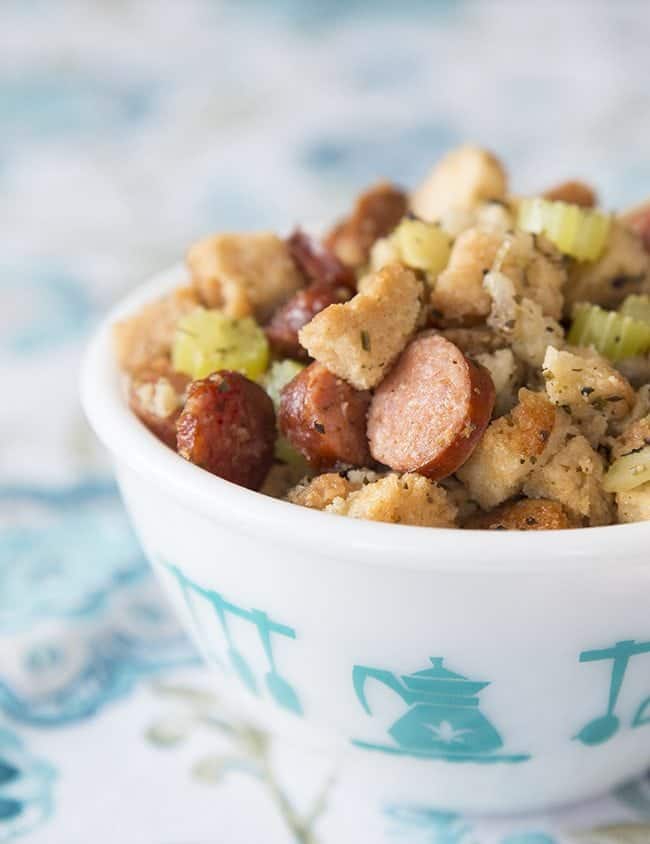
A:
(401, 546)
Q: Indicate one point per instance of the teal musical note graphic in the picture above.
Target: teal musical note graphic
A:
(277, 686)
(443, 720)
(604, 727)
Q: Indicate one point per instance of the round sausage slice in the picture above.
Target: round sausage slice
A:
(286, 322)
(318, 263)
(429, 413)
(228, 427)
(324, 418)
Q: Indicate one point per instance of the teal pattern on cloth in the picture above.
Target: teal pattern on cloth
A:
(26, 783)
(126, 130)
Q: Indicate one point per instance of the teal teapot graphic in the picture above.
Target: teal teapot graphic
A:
(443, 719)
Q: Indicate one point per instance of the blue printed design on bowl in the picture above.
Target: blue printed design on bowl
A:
(605, 726)
(636, 795)
(26, 799)
(224, 612)
(443, 719)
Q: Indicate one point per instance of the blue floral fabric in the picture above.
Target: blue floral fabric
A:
(126, 130)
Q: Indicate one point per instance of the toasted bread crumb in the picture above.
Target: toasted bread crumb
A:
(573, 477)
(243, 273)
(148, 335)
(512, 447)
(464, 178)
(408, 499)
(526, 514)
(360, 339)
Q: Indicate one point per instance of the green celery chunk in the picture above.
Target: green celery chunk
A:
(208, 340)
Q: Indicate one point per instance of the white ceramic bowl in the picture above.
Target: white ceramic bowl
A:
(476, 671)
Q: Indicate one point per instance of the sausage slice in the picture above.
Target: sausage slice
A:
(156, 396)
(429, 413)
(324, 418)
(318, 263)
(228, 427)
(375, 214)
(574, 192)
(286, 322)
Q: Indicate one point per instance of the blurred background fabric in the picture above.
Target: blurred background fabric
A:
(128, 128)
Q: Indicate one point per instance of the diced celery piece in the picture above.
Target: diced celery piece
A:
(628, 472)
(579, 232)
(423, 246)
(280, 373)
(612, 334)
(637, 307)
(208, 340)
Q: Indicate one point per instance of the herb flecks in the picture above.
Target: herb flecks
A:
(365, 340)
(319, 427)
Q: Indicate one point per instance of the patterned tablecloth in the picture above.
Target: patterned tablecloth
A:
(126, 129)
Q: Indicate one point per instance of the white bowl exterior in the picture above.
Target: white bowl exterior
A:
(523, 633)
(537, 617)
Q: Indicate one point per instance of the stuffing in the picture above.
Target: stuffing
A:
(573, 477)
(383, 252)
(526, 514)
(424, 336)
(634, 505)
(493, 215)
(638, 219)
(520, 321)
(243, 273)
(460, 497)
(641, 405)
(623, 268)
(148, 334)
(319, 492)
(462, 179)
(634, 437)
(156, 396)
(408, 499)
(511, 448)
(474, 341)
(543, 281)
(589, 388)
(359, 340)
(458, 294)
(507, 375)
(636, 369)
